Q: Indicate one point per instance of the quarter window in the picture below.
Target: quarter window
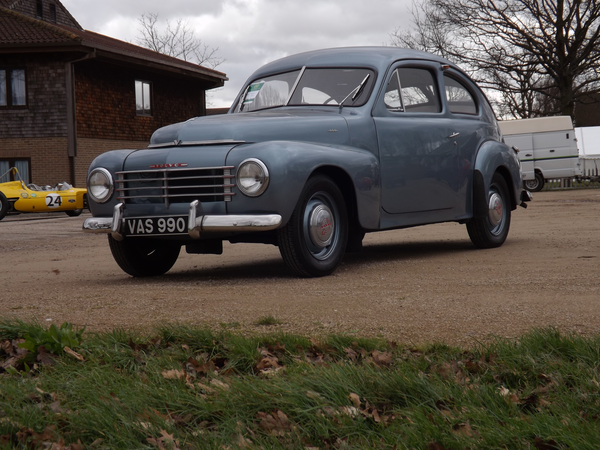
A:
(12, 87)
(460, 100)
(143, 100)
(412, 90)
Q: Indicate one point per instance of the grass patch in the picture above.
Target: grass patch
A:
(268, 321)
(184, 387)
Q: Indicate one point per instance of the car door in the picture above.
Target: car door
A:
(417, 146)
(471, 126)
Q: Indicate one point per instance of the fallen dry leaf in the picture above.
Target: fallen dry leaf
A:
(74, 354)
(381, 358)
(166, 438)
(45, 357)
(355, 399)
(219, 384)
(173, 374)
(275, 423)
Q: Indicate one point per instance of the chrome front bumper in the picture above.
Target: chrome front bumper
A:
(197, 222)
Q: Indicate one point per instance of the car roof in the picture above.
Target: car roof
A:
(378, 58)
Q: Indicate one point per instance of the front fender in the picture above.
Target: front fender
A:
(494, 157)
(291, 163)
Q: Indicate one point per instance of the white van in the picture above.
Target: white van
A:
(547, 148)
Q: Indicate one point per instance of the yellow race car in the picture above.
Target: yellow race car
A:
(16, 197)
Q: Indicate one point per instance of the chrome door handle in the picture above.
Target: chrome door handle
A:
(453, 135)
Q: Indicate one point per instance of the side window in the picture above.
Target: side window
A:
(13, 91)
(460, 100)
(23, 167)
(412, 90)
(143, 103)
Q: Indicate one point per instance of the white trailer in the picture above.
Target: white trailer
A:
(588, 143)
(547, 149)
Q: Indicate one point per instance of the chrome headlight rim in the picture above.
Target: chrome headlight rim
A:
(109, 185)
(262, 179)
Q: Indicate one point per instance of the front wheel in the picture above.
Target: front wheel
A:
(144, 257)
(3, 206)
(313, 242)
(491, 231)
(536, 184)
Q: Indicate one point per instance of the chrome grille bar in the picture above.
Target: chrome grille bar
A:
(175, 185)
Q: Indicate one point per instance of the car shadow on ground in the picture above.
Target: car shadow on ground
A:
(274, 267)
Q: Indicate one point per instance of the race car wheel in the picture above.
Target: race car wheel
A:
(314, 240)
(491, 231)
(3, 206)
(144, 257)
(74, 212)
(536, 184)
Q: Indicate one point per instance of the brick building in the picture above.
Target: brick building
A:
(67, 94)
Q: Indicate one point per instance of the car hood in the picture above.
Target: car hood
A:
(325, 127)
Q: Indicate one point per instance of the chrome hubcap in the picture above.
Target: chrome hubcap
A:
(321, 226)
(496, 209)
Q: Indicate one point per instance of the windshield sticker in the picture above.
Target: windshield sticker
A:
(253, 91)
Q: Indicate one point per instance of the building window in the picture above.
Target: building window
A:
(23, 167)
(39, 9)
(143, 101)
(52, 13)
(12, 87)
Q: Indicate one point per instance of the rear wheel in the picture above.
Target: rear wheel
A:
(74, 212)
(3, 206)
(144, 257)
(491, 231)
(536, 184)
(313, 242)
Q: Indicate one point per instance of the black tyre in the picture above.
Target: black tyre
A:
(3, 206)
(536, 184)
(144, 257)
(313, 242)
(74, 212)
(491, 231)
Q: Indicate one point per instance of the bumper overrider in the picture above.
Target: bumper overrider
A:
(197, 222)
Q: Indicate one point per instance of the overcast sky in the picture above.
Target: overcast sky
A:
(250, 33)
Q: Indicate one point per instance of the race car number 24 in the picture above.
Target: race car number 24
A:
(53, 201)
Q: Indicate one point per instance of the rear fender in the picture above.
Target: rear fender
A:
(495, 157)
(291, 163)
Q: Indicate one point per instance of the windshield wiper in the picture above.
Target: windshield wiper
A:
(356, 91)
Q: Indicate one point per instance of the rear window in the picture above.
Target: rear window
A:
(460, 100)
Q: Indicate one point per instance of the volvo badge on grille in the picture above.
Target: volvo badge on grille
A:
(168, 166)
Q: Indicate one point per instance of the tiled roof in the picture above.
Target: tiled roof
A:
(20, 31)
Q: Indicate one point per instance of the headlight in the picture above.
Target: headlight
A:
(100, 185)
(252, 177)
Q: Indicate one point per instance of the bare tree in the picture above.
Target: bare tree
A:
(177, 40)
(541, 56)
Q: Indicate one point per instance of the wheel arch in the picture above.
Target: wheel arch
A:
(492, 159)
(343, 180)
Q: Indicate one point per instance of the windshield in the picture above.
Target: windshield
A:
(329, 87)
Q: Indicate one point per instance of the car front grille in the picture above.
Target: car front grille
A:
(175, 185)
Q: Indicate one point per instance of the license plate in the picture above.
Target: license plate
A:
(156, 226)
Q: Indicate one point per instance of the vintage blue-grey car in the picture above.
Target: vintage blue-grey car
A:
(318, 149)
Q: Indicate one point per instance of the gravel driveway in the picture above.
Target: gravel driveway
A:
(417, 285)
